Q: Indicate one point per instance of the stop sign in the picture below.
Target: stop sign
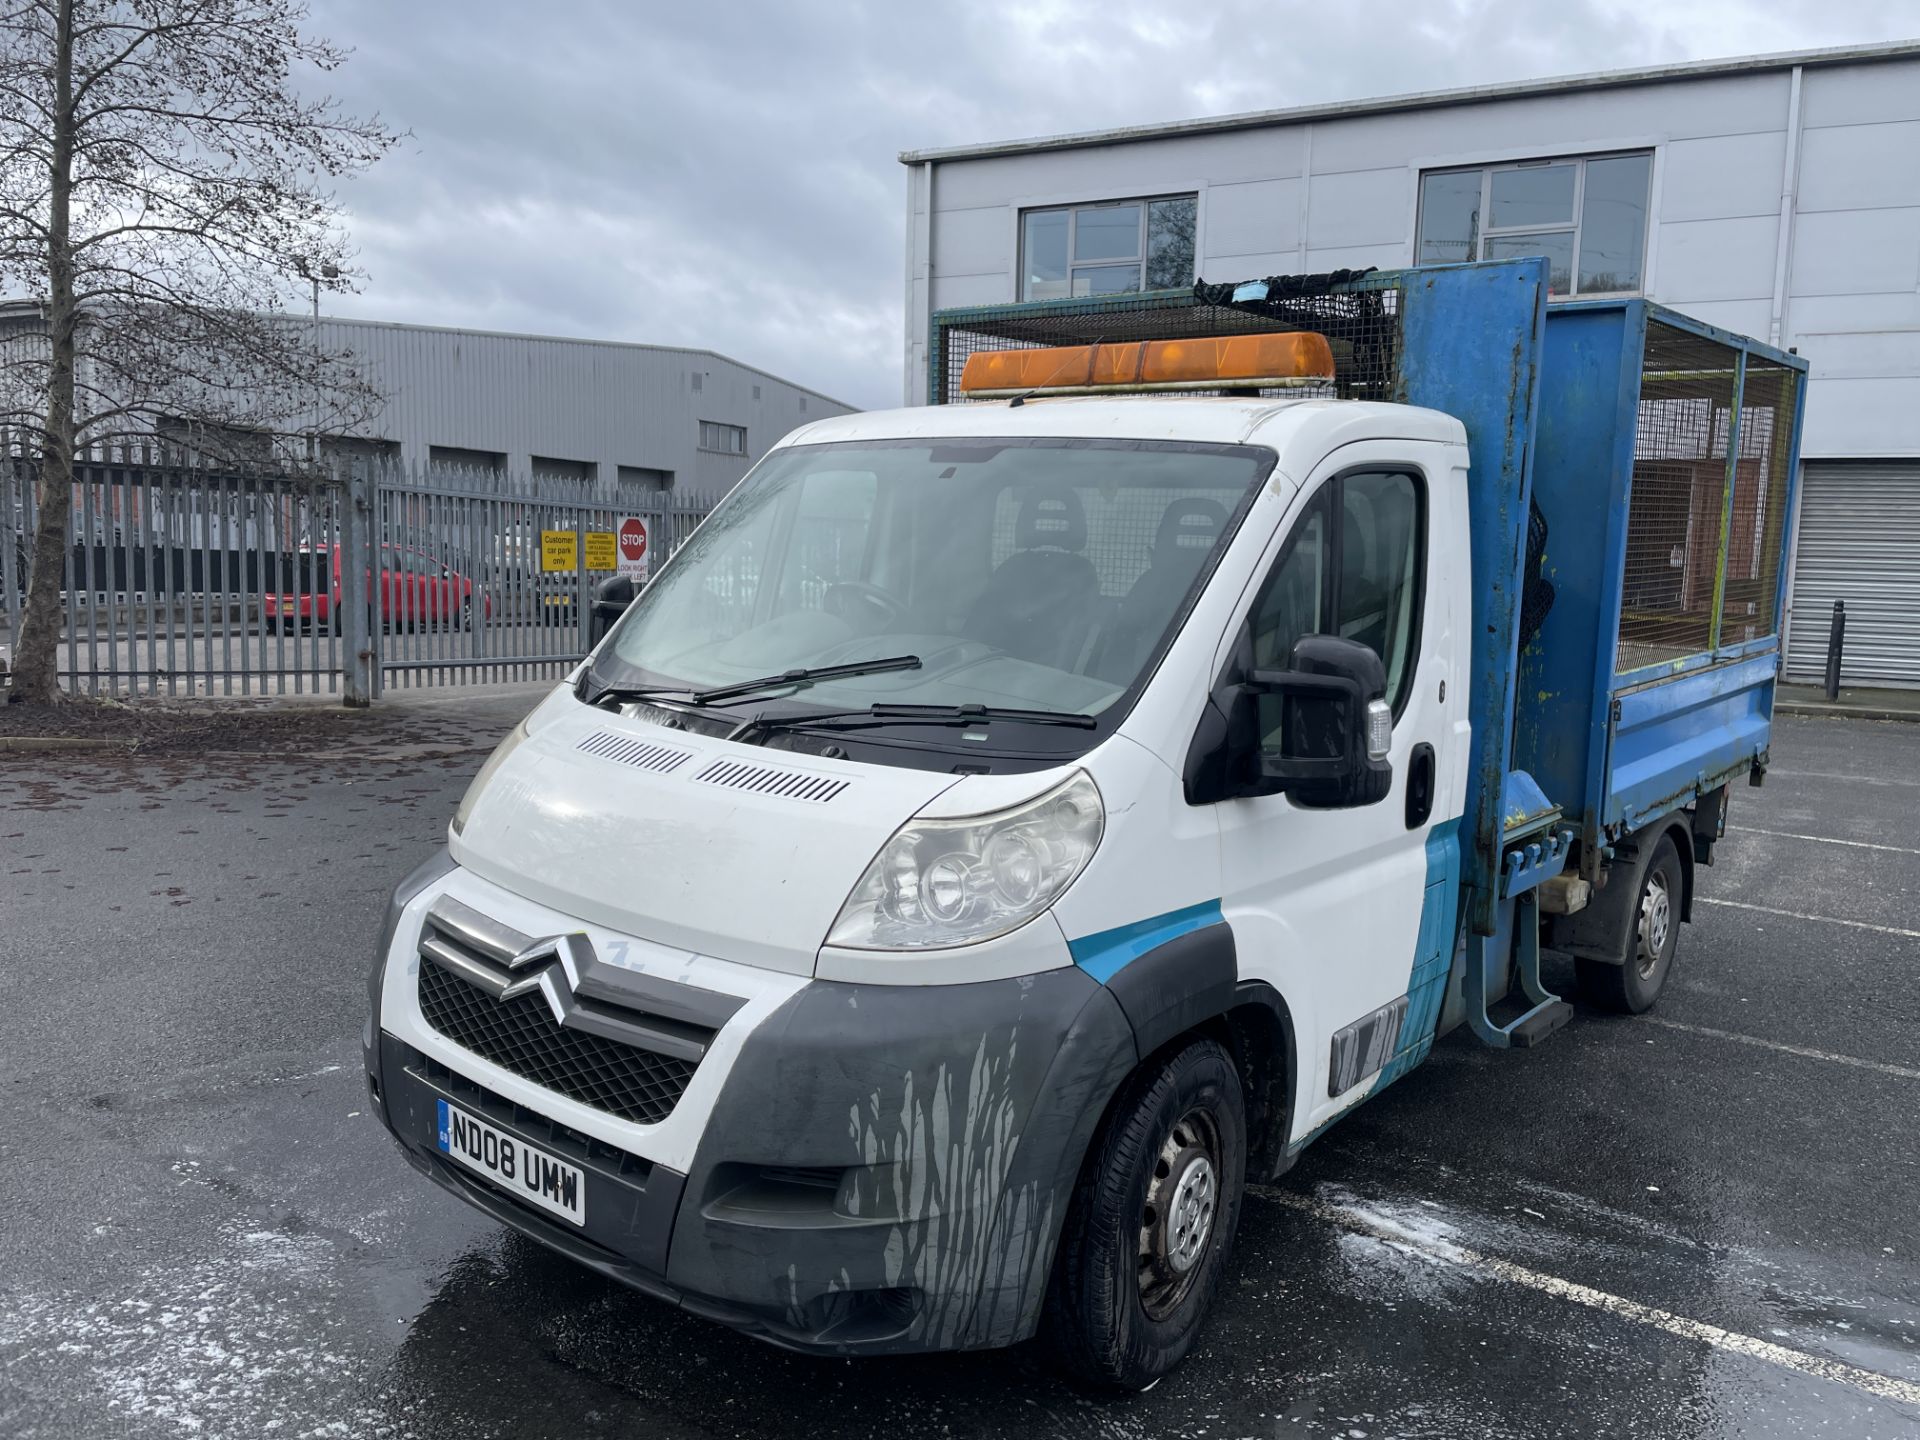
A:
(633, 540)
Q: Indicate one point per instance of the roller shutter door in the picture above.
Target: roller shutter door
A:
(1859, 543)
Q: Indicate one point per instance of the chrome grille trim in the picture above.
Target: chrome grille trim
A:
(467, 927)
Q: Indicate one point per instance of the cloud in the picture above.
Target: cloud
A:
(724, 175)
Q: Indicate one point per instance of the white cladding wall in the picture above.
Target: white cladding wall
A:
(606, 405)
(1341, 191)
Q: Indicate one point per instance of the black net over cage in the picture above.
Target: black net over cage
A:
(1358, 312)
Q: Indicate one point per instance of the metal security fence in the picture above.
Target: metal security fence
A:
(183, 580)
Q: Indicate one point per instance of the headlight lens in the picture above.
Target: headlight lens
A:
(480, 782)
(941, 883)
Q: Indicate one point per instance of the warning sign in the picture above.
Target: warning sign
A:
(633, 547)
(559, 550)
(601, 550)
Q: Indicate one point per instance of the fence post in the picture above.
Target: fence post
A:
(356, 565)
(1836, 641)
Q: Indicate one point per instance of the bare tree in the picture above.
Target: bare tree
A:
(163, 189)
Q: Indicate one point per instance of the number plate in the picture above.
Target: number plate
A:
(515, 1166)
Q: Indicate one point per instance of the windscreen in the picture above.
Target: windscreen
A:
(1037, 573)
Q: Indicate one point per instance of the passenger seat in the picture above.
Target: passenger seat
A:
(1041, 601)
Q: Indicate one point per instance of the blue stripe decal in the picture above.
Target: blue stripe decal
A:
(1104, 955)
(1432, 965)
(1433, 958)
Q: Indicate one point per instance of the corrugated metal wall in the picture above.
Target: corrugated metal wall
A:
(1860, 544)
(587, 402)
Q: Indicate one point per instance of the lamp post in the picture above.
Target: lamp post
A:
(326, 272)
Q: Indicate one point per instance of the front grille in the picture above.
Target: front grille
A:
(521, 1035)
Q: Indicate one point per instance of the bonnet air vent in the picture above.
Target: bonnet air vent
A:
(638, 753)
(766, 780)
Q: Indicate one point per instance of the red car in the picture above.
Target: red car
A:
(415, 589)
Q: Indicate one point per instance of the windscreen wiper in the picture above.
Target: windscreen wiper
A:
(958, 715)
(798, 679)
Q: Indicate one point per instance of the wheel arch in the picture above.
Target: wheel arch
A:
(1603, 929)
(1190, 986)
(1680, 831)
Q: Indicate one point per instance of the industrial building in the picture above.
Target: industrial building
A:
(603, 413)
(606, 414)
(1777, 196)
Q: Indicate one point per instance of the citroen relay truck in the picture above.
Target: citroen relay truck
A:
(1008, 828)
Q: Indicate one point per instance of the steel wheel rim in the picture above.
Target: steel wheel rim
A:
(1181, 1213)
(1656, 924)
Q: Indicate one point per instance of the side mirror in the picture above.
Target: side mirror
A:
(611, 597)
(1324, 724)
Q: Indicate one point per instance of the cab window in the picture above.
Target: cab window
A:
(1353, 567)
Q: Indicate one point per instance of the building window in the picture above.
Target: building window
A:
(208, 442)
(575, 475)
(1587, 215)
(454, 457)
(644, 478)
(343, 450)
(1107, 249)
(727, 439)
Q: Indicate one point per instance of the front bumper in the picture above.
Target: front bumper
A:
(871, 1168)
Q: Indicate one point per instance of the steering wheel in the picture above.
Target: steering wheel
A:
(856, 600)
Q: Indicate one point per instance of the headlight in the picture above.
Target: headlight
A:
(480, 782)
(941, 883)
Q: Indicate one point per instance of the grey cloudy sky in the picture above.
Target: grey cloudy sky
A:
(724, 174)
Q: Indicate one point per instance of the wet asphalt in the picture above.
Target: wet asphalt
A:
(1700, 1223)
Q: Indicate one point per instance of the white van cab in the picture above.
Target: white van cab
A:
(912, 889)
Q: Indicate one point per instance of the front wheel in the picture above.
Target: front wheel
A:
(1152, 1222)
(1631, 989)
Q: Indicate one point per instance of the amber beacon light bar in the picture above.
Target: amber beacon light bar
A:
(1214, 362)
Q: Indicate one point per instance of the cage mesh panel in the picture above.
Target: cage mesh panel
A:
(1121, 527)
(1360, 319)
(1687, 403)
(1760, 483)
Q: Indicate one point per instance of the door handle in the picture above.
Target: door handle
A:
(1419, 785)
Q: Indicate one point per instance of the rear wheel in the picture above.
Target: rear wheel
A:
(1152, 1222)
(1632, 988)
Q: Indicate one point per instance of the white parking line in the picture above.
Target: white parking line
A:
(1841, 775)
(1382, 1227)
(1803, 915)
(1825, 840)
(1901, 1071)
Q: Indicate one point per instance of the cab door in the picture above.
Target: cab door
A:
(1332, 906)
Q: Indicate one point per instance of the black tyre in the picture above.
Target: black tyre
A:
(1152, 1222)
(1631, 989)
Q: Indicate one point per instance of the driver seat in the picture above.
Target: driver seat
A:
(1188, 530)
(1041, 601)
